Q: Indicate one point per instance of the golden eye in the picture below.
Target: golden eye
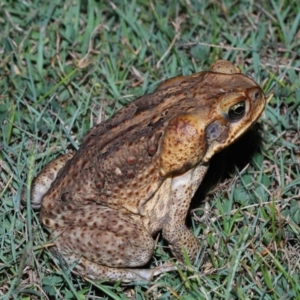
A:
(237, 111)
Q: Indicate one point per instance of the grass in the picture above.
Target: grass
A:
(67, 65)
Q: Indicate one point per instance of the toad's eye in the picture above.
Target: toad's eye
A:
(237, 111)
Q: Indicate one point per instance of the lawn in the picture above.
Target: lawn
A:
(67, 65)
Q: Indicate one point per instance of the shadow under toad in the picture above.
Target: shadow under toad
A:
(223, 165)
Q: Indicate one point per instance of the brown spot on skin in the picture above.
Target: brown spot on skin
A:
(50, 205)
(152, 150)
(134, 184)
(76, 175)
(120, 184)
(47, 222)
(131, 160)
(103, 198)
(58, 211)
(99, 185)
(130, 174)
(151, 170)
(85, 164)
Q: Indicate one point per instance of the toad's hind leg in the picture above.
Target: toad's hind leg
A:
(103, 243)
(44, 179)
(94, 271)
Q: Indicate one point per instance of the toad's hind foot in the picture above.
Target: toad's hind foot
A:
(98, 272)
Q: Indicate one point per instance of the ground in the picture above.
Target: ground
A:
(68, 65)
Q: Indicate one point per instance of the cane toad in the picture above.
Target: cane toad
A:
(135, 174)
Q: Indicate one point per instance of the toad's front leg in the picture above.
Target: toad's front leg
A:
(183, 147)
(175, 230)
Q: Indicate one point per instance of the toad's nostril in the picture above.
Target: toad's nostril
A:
(255, 94)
